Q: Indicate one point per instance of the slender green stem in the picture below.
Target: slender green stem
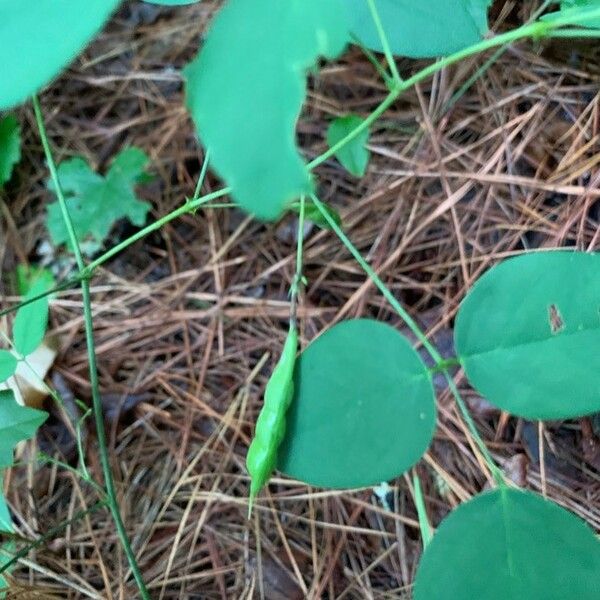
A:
(385, 44)
(418, 333)
(49, 535)
(424, 524)
(575, 33)
(111, 495)
(297, 281)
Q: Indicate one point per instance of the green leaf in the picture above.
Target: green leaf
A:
(28, 276)
(420, 29)
(363, 410)
(96, 203)
(354, 156)
(6, 526)
(576, 11)
(8, 365)
(246, 88)
(528, 335)
(39, 39)
(31, 321)
(172, 2)
(510, 545)
(312, 213)
(17, 423)
(10, 146)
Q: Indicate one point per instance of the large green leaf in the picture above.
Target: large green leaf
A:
(421, 29)
(40, 38)
(510, 545)
(246, 88)
(172, 2)
(31, 320)
(17, 423)
(95, 202)
(10, 146)
(363, 409)
(528, 335)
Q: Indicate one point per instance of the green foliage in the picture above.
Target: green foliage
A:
(8, 365)
(39, 39)
(363, 409)
(246, 88)
(354, 156)
(172, 2)
(510, 545)
(95, 202)
(270, 426)
(577, 12)
(312, 213)
(28, 276)
(420, 29)
(525, 335)
(17, 423)
(29, 327)
(10, 146)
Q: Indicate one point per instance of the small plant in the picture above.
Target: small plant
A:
(361, 400)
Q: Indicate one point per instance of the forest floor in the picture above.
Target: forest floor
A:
(188, 321)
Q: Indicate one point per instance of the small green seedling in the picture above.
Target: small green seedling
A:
(354, 155)
(10, 147)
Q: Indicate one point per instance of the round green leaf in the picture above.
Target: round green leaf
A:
(528, 335)
(8, 365)
(363, 410)
(510, 545)
(38, 39)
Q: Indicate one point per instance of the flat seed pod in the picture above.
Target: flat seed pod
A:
(363, 410)
(510, 545)
(528, 335)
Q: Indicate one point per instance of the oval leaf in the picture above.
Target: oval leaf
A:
(510, 545)
(363, 410)
(8, 365)
(527, 331)
(17, 423)
(246, 88)
(31, 321)
(354, 156)
(39, 39)
(420, 29)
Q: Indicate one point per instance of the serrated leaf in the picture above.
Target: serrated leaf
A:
(363, 409)
(420, 29)
(17, 423)
(40, 38)
(10, 146)
(8, 365)
(95, 202)
(246, 87)
(31, 321)
(510, 545)
(528, 335)
(576, 11)
(354, 156)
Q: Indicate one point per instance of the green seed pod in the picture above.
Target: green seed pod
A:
(270, 425)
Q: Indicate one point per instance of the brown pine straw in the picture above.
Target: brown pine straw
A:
(189, 320)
